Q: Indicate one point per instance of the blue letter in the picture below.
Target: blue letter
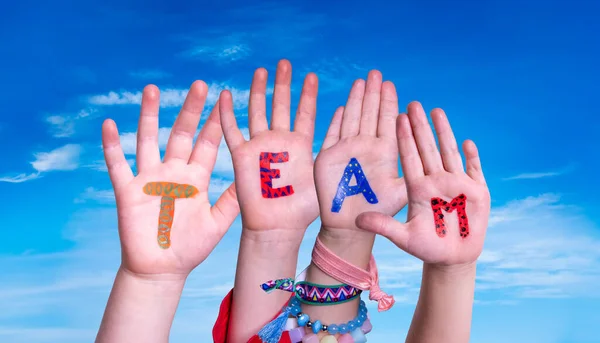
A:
(344, 188)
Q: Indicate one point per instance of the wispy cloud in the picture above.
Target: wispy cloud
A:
(150, 74)
(98, 195)
(225, 50)
(20, 178)
(100, 165)
(531, 176)
(65, 158)
(520, 209)
(63, 125)
(336, 74)
(242, 36)
(173, 97)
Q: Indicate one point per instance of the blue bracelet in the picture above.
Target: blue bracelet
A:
(316, 326)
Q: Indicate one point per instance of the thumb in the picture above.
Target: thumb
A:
(386, 226)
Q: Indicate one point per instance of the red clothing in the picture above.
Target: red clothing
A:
(222, 324)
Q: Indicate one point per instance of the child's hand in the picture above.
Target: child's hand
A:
(274, 169)
(166, 223)
(448, 209)
(357, 168)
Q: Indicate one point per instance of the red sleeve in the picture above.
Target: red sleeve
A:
(220, 328)
(222, 323)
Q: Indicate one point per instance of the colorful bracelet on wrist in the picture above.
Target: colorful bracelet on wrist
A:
(314, 294)
(352, 332)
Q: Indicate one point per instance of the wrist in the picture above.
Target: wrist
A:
(272, 243)
(353, 246)
(164, 285)
(451, 273)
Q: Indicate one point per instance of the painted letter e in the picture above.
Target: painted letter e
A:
(267, 175)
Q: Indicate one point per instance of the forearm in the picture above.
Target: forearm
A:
(140, 310)
(354, 247)
(262, 256)
(445, 305)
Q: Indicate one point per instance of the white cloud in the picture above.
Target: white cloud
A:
(99, 195)
(63, 158)
(100, 165)
(129, 140)
(173, 97)
(64, 125)
(336, 74)
(20, 178)
(219, 52)
(521, 209)
(61, 126)
(114, 98)
(529, 176)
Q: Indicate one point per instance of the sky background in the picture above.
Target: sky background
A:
(519, 78)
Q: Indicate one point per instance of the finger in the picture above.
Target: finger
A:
(233, 135)
(412, 167)
(333, 134)
(257, 108)
(281, 97)
(118, 169)
(388, 111)
(430, 156)
(148, 154)
(386, 226)
(370, 106)
(473, 162)
(225, 209)
(353, 109)
(448, 148)
(179, 146)
(207, 144)
(307, 108)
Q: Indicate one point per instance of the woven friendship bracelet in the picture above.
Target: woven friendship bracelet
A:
(315, 294)
(286, 285)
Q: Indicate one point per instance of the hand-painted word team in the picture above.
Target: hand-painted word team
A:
(352, 186)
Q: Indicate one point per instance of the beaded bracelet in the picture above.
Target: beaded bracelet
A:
(316, 326)
(271, 332)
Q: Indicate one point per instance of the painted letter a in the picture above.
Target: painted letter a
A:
(344, 189)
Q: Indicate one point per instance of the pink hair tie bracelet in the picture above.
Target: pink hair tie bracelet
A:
(351, 275)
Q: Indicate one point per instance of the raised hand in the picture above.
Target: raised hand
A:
(357, 168)
(274, 169)
(166, 223)
(276, 191)
(448, 208)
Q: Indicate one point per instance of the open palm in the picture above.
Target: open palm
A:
(361, 134)
(455, 231)
(283, 199)
(196, 227)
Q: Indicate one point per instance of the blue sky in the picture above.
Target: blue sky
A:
(519, 78)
